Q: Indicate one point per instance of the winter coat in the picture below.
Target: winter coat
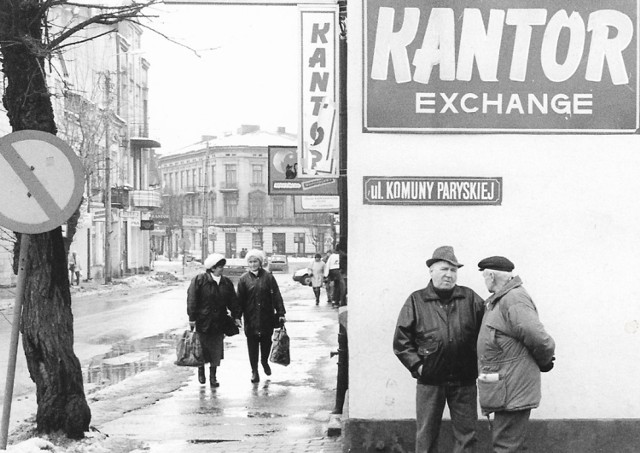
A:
(440, 337)
(208, 301)
(512, 344)
(260, 302)
(317, 277)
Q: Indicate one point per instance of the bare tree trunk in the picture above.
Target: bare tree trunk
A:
(47, 320)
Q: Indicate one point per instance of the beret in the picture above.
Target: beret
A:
(496, 263)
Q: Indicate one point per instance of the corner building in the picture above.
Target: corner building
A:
(219, 186)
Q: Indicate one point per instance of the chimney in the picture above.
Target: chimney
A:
(282, 130)
(206, 138)
(248, 128)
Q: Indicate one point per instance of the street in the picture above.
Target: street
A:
(138, 393)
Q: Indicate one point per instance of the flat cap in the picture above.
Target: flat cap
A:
(496, 263)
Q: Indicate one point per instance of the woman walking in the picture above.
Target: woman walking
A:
(263, 309)
(209, 297)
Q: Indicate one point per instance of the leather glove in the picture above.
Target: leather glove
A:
(546, 368)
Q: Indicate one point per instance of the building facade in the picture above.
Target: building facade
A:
(102, 94)
(562, 156)
(219, 186)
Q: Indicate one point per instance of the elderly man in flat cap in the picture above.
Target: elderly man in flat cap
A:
(513, 348)
(435, 339)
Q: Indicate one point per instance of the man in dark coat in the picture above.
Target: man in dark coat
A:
(263, 309)
(435, 339)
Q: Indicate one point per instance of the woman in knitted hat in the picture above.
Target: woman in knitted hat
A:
(263, 309)
(209, 297)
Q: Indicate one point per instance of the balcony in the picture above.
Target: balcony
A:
(229, 186)
(146, 199)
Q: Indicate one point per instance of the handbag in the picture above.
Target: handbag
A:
(189, 349)
(229, 326)
(280, 347)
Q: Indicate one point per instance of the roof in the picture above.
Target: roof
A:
(257, 138)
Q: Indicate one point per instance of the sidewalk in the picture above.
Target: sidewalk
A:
(166, 410)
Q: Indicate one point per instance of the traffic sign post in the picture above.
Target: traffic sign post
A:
(42, 180)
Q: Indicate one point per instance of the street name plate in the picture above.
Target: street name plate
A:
(432, 190)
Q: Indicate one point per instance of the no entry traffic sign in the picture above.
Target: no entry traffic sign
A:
(41, 181)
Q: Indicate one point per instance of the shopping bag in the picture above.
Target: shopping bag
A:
(280, 347)
(189, 350)
(229, 326)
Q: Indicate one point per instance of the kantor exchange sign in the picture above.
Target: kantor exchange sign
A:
(516, 66)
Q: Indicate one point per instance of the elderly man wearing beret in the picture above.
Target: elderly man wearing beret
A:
(435, 339)
(513, 348)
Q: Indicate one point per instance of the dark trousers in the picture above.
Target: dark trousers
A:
(259, 346)
(338, 287)
(462, 402)
(509, 430)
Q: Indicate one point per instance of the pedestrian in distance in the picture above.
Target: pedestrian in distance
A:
(263, 309)
(317, 276)
(210, 298)
(74, 268)
(334, 275)
(435, 339)
(513, 348)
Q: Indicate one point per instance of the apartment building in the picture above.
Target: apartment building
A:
(219, 186)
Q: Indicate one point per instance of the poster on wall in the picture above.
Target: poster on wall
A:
(317, 150)
(538, 66)
(316, 203)
(284, 175)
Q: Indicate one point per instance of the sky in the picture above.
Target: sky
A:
(247, 71)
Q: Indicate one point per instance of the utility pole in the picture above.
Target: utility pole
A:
(205, 201)
(107, 179)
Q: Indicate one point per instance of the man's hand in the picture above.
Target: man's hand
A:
(546, 368)
(192, 325)
(282, 320)
(239, 322)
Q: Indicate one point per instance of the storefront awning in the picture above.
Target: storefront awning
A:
(144, 142)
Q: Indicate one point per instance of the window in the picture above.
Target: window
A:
(257, 205)
(230, 207)
(213, 175)
(278, 207)
(257, 174)
(256, 241)
(194, 182)
(200, 181)
(298, 240)
(279, 241)
(231, 175)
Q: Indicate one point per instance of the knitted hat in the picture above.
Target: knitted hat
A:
(213, 260)
(255, 253)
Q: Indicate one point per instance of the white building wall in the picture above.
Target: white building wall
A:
(568, 220)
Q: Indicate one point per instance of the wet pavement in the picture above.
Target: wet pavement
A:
(288, 411)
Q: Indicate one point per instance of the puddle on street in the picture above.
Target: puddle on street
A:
(210, 441)
(128, 358)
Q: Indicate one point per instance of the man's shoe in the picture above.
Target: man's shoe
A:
(267, 369)
(255, 377)
(201, 377)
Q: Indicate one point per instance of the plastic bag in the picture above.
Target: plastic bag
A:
(189, 350)
(280, 347)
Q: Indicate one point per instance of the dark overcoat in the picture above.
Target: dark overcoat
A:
(260, 302)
